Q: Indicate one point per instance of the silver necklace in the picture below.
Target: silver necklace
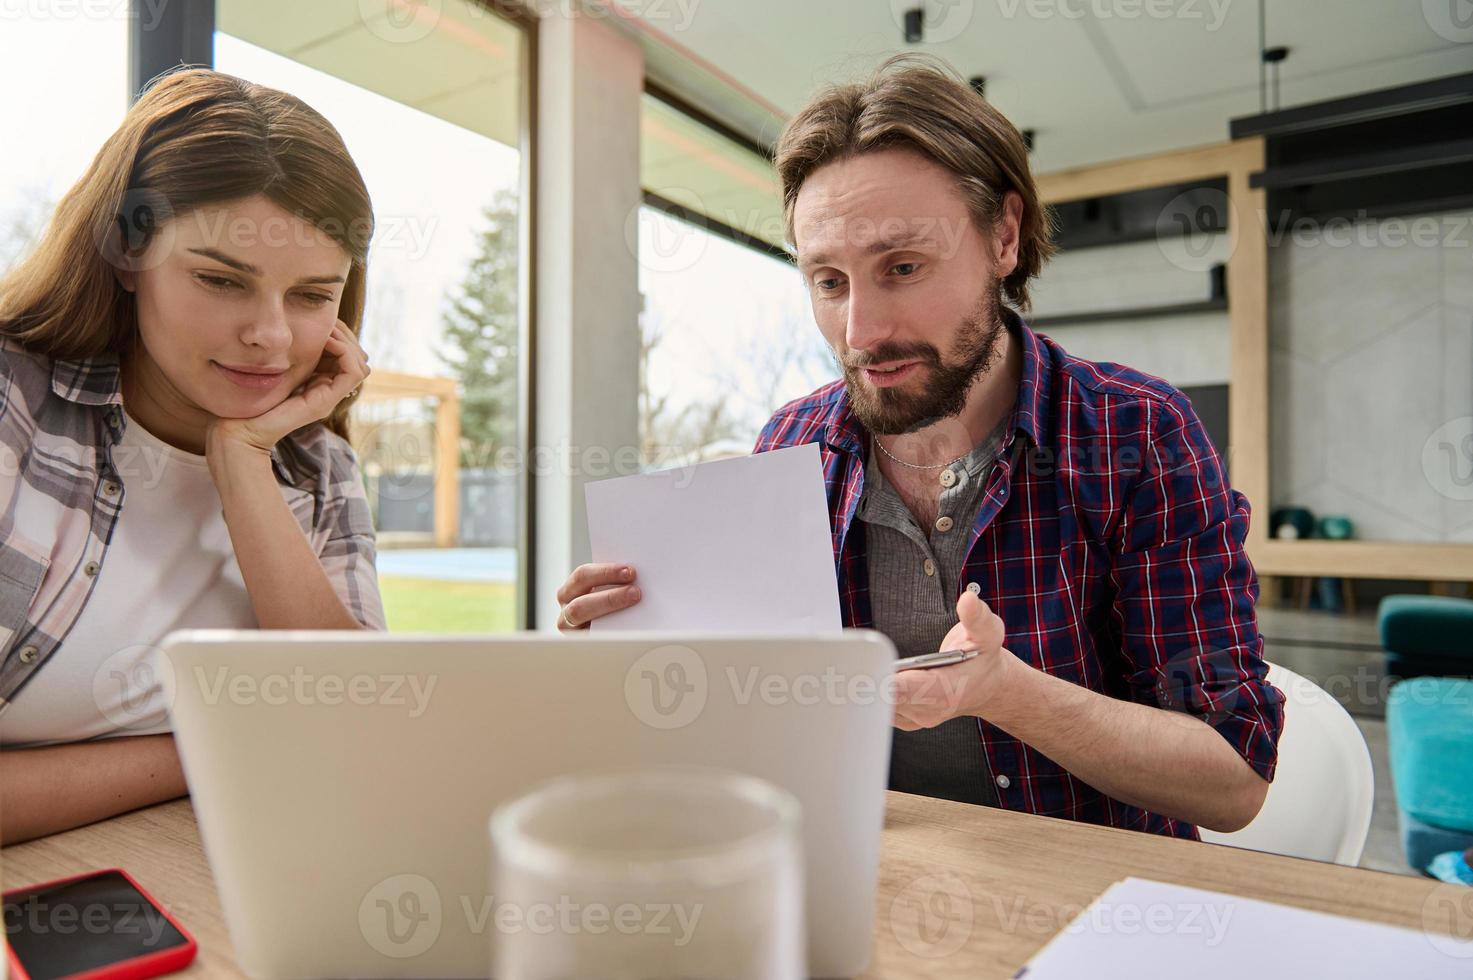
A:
(918, 466)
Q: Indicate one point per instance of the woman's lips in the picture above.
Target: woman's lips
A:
(884, 379)
(255, 380)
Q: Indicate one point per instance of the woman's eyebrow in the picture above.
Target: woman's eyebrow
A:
(223, 259)
(246, 267)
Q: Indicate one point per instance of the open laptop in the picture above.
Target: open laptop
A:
(330, 770)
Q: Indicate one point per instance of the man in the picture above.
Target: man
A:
(1120, 679)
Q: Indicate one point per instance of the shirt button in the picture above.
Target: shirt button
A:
(28, 655)
(974, 588)
(943, 524)
(930, 567)
(948, 478)
(90, 569)
(110, 489)
(1004, 782)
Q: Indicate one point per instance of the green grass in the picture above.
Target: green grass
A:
(424, 605)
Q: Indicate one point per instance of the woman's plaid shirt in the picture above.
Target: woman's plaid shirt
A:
(62, 488)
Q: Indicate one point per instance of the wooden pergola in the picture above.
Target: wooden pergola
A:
(395, 385)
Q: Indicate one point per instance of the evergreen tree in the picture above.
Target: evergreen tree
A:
(481, 337)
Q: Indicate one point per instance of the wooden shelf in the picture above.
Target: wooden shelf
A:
(1364, 559)
(1137, 173)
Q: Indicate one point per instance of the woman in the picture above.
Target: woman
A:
(177, 359)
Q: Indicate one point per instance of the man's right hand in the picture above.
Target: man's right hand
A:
(593, 591)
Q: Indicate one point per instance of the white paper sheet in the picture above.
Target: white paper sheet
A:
(736, 545)
(1141, 928)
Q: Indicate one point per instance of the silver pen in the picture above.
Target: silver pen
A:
(941, 658)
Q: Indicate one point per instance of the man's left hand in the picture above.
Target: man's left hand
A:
(926, 698)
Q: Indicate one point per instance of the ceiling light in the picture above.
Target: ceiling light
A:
(915, 24)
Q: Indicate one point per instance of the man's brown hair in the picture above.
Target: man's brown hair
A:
(920, 104)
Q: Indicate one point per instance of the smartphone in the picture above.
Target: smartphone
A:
(99, 926)
(941, 658)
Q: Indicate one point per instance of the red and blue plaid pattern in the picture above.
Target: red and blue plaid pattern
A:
(1112, 547)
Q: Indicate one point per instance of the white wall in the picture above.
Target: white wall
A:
(1371, 328)
(1186, 350)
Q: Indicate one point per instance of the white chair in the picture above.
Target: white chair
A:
(1319, 804)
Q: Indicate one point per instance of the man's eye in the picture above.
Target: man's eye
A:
(905, 268)
(827, 284)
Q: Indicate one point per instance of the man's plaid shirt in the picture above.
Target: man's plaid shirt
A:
(1111, 546)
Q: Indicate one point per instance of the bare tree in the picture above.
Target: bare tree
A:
(383, 332)
(21, 227)
(796, 358)
(747, 384)
(668, 434)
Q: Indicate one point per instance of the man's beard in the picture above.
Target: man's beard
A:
(889, 411)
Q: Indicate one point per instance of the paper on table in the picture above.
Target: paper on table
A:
(735, 545)
(1141, 928)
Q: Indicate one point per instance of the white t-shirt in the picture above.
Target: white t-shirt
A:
(170, 566)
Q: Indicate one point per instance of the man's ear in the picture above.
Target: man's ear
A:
(1005, 235)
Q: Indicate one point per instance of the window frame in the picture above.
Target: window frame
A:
(182, 32)
(715, 226)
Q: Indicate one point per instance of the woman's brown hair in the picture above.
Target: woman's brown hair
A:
(194, 138)
(920, 104)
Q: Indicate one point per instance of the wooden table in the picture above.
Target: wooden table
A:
(964, 890)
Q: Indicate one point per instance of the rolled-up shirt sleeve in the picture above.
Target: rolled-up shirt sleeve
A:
(348, 549)
(1186, 593)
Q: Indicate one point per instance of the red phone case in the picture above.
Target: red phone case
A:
(136, 968)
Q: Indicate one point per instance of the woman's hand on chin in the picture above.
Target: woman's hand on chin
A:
(341, 370)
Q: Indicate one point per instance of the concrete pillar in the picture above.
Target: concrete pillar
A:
(590, 77)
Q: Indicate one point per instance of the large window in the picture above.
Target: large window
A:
(727, 338)
(55, 117)
(430, 101)
(727, 333)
